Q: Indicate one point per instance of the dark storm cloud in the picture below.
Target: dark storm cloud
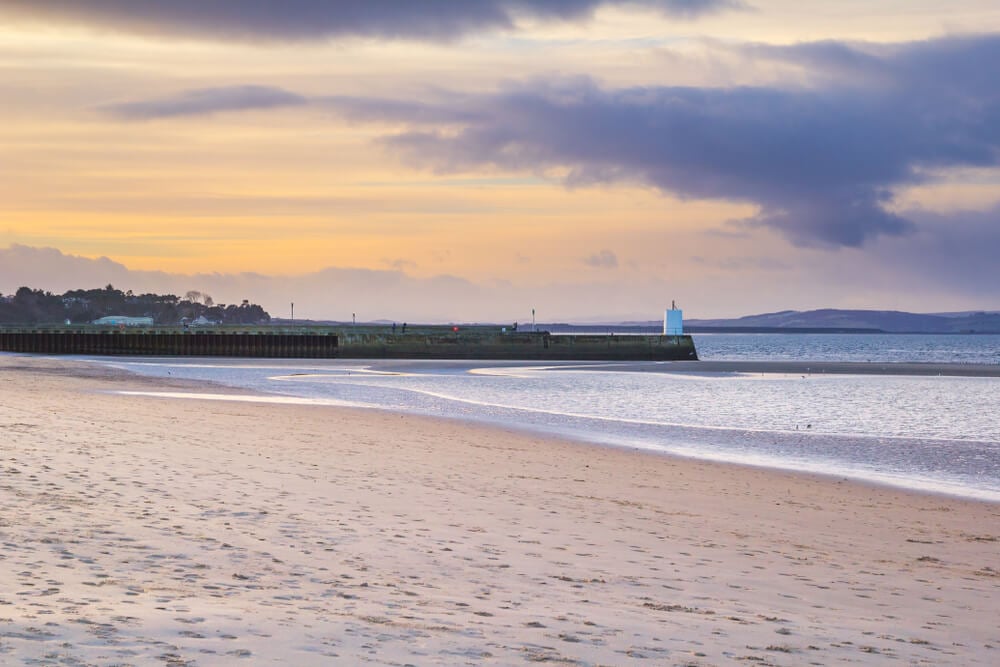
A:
(820, 163)
(206, 101)
(274, 20)
(947, 64)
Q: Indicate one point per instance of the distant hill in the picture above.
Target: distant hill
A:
(890, 321)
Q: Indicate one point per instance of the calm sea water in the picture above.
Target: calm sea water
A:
(938, 434)
(879, 348)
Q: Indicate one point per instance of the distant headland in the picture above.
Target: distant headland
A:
(832, 320)
(857, 321)
(84, 306)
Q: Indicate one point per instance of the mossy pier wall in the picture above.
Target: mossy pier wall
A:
(347, 343)
(474, 343)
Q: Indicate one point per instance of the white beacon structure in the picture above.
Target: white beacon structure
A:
(673, 321)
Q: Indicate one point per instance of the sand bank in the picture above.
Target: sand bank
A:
(813, 368)
(140, 530)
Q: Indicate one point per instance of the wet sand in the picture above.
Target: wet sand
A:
(699, 367)
(143, 530)
(814, 368)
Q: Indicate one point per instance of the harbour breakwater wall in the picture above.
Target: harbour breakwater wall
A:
(349, 343)
(155, 343)
(540, 345)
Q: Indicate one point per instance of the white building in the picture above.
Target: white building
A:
(673, 321)
(124, 321)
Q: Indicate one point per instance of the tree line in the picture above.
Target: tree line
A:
(80, 306)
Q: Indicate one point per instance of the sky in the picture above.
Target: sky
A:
(442, 161)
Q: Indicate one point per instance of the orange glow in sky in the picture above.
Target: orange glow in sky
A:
(505, 157)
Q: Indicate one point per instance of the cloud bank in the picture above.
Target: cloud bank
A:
(335, 293)
(821, 164)
(282, 20)
(206, 100)
(955, 253)
(332, 293)
(950, 260)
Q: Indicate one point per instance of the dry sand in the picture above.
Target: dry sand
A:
(139, 530)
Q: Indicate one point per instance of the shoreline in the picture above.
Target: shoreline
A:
(245, 396)
(135, 528)
(700, 366)
(821, 367)
(694, 450)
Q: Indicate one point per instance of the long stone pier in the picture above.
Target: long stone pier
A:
(367, 342)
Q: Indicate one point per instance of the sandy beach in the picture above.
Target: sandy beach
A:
(139, 530)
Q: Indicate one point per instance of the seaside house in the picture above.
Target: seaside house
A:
(124, 321)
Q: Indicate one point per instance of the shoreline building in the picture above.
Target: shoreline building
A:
(123, 321)
(673, 321)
